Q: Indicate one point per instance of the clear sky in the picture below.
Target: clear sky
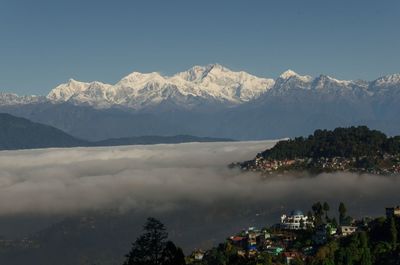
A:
(45, 42)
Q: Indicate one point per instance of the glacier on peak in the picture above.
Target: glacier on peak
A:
(197, 72)
(200, 86)
(288, 74)
(324, 81)
(387, 81)
(206, 83)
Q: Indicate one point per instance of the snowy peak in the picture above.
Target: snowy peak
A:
(93, 93)
(64, 92)
(213, 83)
(203, 86)
(193, 74)
(137, 79)
(210, 84)
(290, 80)
(8, 99)
(198, 73)
(387, 81)
(222, 83)
(288, 74)
(324, 81)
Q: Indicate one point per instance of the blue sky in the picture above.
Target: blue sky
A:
(45, 42)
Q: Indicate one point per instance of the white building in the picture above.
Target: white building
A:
(347, 230)
(198, 255)
(295, 220)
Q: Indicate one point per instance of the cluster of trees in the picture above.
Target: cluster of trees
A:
(341, 142)
(226, 254)
(376, 246)
(153, 248)
(320, 213)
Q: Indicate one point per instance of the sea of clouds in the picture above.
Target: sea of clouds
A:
(164, 178)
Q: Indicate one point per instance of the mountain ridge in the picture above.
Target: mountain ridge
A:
(19, 133)
(210, 101)
(197, 87)
(213, 83)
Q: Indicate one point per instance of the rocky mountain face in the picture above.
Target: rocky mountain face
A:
(213, 101)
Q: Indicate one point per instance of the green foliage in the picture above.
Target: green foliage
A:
(393, 233)
(334, 222)
(326, 207)
(225, 254)
(341, 142)
(297, 262)
(358, 250)
(173, 255)
(326, 254)
(152, 247)
(342, 213)
(374, 247)
(318, 213)
(365, 252)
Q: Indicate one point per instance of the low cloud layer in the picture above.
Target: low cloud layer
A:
(164, 178)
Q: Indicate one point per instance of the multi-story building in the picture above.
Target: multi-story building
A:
(295, 220)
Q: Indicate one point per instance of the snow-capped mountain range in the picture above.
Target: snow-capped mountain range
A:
(212, 83)
(200, 86)
(14, 99)
(212, 101)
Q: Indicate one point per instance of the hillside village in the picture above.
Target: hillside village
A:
(313, 238)
(353, 149)
(389, 166)
(298, 239)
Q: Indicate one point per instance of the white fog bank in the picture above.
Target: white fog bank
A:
(164, 178)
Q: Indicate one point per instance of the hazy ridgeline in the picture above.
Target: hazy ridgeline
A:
(189, 186)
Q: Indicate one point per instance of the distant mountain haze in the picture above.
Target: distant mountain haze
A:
(19, 133)
(212, 101)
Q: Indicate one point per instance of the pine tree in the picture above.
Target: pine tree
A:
(152, 248)
(318, 213)
(334, 222)
(366, 257)
(173, 255)
(342, 213)
(326, 210)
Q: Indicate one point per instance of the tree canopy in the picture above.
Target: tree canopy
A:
(340, 142)
(152, 247)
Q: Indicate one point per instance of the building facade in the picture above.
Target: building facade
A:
(295, 220)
